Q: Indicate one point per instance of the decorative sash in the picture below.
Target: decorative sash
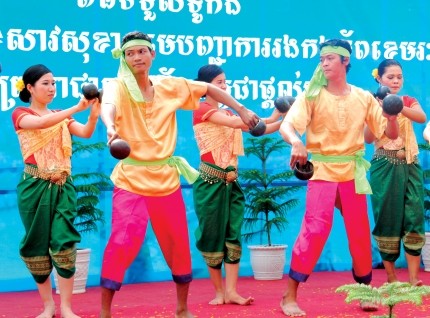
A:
(362, 185)
(225, 143)
(181, 164)
(51, 147)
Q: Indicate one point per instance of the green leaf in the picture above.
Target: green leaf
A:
(268, 199)
(89, 186)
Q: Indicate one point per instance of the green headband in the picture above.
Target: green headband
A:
(117, 52)
(124, 71)
(318, 79)
(335, 49)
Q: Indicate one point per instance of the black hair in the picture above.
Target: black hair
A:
(208, 72)
(342, 43)
(386, 63)
(31, 76)
(135, 35)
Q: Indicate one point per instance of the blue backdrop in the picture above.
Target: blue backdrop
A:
(267, 48)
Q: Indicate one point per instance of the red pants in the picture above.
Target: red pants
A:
(130, 215)
(317, 224)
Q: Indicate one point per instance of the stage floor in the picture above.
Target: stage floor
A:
(157, 300)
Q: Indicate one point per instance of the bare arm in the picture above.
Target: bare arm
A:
(221, 96)
(415, 113)
(273, 123)
(392, 129)
(49, 120)
(221, 118)
(298, 151)
(86, 130)
(108, 118)
(369, 137)
(273, 127)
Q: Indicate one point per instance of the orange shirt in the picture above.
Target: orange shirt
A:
(334, 126)
(150, 128)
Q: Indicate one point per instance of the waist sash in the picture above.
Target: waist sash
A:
(183, 167)
(362, 185)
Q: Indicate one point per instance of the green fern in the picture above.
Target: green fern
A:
(267, 202)
(89, 187)
(389, 294)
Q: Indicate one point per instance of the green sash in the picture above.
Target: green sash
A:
(182, 165)
(362, 185)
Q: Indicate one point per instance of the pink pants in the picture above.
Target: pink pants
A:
(317, 224)
(130, 215)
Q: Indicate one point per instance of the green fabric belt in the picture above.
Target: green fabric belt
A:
(362, 185)
(182, 165)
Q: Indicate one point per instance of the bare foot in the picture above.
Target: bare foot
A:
(368, 306)
(417, 282)
(184, 314)
(235, 298)
(48, 312)
(291, 309)
(66, 312)
(105, 314)
(392, 280)
(218, 300)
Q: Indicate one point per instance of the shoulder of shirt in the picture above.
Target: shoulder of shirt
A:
(21, 108)
(156, 79)
(409, 100)
(360, 91)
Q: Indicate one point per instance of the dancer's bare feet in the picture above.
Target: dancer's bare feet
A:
(66, 312)
(291, 308)
(49, 311)
(218, 300)
(184, 314)
(104, 314)
(416, 282)
(235, 298)
(392, 279)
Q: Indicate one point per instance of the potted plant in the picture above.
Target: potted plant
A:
(89, 186)
(425, 254)
(389, 294)
(268, 199)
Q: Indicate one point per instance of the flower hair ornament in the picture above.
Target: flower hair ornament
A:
(19, 85)
(375, 73)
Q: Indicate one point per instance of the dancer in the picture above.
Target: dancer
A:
(333, 113)
(218, 198)
(397, 181)
(46, 195)
(141, 109)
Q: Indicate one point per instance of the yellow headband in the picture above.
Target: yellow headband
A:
(335, 49)
(117, 52)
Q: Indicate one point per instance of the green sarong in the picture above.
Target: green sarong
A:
(398, 207)
(220, 209)
(47, 212)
